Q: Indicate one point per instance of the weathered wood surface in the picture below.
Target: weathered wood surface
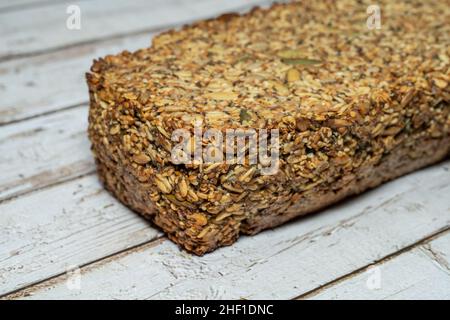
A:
(44, 151)
(8, 5)
(54, 215)
(283, 263)
(48, 231)
(54, 81)
(421, 273)
(37, 29)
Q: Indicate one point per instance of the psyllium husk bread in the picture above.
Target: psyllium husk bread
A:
(350, 105)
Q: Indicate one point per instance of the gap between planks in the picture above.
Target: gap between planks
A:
(46, 92)
(44, 151)
(117, 36)
(42, 237)
(420, 274)
(28, 4)
(310, 294)
(315, 227)
(57, 279)
(44, 114)
(103, 260)
(198, 9)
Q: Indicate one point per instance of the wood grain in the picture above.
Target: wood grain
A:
(44, 151)
(19, 34)
(8, 5)
(56, 80)
(422, 273)
(54, 215)
(283, 263)
(46, 232)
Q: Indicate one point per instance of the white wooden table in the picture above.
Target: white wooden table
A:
(63, 236)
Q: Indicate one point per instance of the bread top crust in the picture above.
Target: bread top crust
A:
(312, 60)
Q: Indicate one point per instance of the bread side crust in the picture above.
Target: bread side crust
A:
(137, 195)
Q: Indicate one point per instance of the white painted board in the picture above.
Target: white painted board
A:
(282, 263)
(422, 273)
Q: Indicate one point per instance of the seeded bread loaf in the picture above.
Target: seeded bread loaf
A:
(354, 107)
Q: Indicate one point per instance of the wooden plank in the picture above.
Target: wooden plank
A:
(282, 263)
(422, 273)
(44, 151)
(56, 80)
(21, 4)
(37, 29)
(46, 232)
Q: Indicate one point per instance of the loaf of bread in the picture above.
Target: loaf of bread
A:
(344, 101)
